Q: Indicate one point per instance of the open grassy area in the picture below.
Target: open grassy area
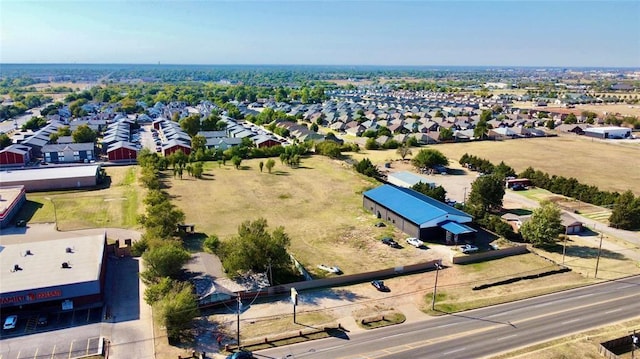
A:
(455, 296)
(609, 166)
(319, 205)
(115, 206)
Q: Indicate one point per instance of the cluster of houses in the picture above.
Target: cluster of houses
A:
(350, 114)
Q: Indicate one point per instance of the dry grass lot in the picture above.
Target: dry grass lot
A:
(610, 167)
(115, 206)
(319, 205)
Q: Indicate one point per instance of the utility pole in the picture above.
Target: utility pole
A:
(564, 247)
(294, 300)
(598, 259)
(238, 318)
(435, 287)
(634, 342)
(270, 272)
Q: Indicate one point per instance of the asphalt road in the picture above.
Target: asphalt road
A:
(483, 332)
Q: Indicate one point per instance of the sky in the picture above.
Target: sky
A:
(412, 33)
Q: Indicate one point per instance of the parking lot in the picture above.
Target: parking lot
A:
(81, 341)
(28, 324)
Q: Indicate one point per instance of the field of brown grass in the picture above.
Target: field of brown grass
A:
(319, 205)
(608, 166)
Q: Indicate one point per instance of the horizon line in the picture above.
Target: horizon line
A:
(319, 65)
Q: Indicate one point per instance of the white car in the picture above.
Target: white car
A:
(415, 242)
(329, 269)
(469, 248)
(10, 322)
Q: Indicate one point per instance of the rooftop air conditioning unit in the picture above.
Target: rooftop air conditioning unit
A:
(16, 267)
(65, 265)
(69, 250)
(28, 252)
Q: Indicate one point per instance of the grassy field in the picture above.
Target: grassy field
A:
(608, 166)
(115, 206)
(319, 205)
(455, 295)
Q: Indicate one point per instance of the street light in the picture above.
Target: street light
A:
(435, 287)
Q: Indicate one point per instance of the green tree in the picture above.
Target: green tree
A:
(198, 143)
(211, 244)
(486, 195)
(482, 127)
(162, 219)
(571, 119)
(197, 170)
(437, 193)
(544, 226)
(84, 134)
(164, 260)
(5, 141)
(261, 165)
(428, 158)
(446, 134)
(626, 212)
(254, 248)
(371, 144)
(177, 310)
(270, 164)
(191, 124)
(53, 137)
(237, 161)
(404, 151)
(366, 167)
(156, 291)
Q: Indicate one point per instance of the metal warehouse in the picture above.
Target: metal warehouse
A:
(418, 215)
(63, 273)
(52, 178)
(407, 179)
(608, 132)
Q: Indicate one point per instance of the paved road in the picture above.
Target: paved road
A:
(483, 332)
(9, 125)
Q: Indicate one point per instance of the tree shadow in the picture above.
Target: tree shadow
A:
(304, 167)
(280, 173)
(193, 241)
(456, 171)
(244, 168)
(587, 232)
(337, 333)
(585, 251)
(518, 211)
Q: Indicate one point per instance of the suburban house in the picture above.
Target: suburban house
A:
(71, 152)
(15, 155)
(418, 215)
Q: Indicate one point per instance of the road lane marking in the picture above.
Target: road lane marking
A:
(613, 311)
(53, 353)
(507, 337)
(19, 351)
(71, 348)
(454, 351)
(34, 355)
(88, 345)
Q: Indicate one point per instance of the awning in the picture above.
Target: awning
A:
(456, 228)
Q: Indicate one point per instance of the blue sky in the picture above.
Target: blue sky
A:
(483, 33)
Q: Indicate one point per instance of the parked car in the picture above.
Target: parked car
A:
(10, 322)
(390, 242)
(21, 223)
(43, 320)
(518, 187)
(241, 355)
(415, 242)
(379, 285)
(380, 224)
(332, 269)
(469, 248)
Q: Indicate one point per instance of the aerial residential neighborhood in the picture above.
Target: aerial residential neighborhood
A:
(319, 180)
